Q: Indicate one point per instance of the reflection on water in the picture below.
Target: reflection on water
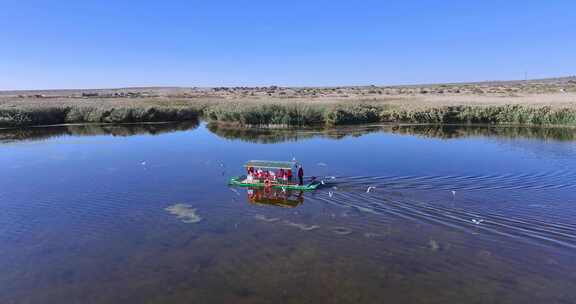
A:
(273, 135)
(270, 135)
(275, 197)
(459, 131)
(404, 216)
(40, 133)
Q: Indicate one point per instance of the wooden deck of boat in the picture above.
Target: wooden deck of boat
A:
(239, 181)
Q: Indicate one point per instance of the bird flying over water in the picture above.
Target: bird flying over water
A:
(370, 188)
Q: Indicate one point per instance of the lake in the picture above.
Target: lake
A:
(407, 214)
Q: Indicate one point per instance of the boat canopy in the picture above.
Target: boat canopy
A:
(270, 164)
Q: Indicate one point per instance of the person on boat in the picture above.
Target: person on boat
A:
(250, 178)
(281, 174)
(289, 175)
(300, 175)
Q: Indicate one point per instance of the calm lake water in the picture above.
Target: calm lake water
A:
(143, 214)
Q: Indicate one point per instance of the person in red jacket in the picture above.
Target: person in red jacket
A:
(289, 174)
(300, 175)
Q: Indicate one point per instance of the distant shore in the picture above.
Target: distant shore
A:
(534, 102)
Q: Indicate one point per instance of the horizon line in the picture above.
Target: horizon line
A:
(138, 87)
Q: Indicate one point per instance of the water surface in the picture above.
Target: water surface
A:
(408, 214)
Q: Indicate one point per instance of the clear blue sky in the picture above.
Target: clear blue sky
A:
(103, 43)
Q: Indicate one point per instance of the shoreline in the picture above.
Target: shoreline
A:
(541, 103)
(274, 114)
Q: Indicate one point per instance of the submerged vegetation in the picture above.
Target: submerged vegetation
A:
(184, 212)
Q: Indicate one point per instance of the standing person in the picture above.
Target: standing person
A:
(300, 175)
(289, 175)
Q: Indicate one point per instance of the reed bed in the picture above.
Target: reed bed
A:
(50, 112)
(345, 114)
(286, 112)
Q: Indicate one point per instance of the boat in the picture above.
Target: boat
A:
(271, 182)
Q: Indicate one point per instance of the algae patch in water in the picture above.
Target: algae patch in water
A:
(302, 227)
(184, 212)
(341, 230)
(266, 219)
(434, 246)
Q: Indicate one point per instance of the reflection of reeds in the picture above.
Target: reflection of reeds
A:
(460, 131)
(269, 135)
(38, 133)
(277, 135)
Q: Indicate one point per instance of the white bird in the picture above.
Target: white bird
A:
(322, 182)
(477, 222)
(370, 188)
(453, 193)
(330, 193)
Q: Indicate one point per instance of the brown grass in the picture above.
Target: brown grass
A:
(512, 103)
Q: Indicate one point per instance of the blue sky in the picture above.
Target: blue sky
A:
(91, 44)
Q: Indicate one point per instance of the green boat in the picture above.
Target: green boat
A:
(267, 182)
